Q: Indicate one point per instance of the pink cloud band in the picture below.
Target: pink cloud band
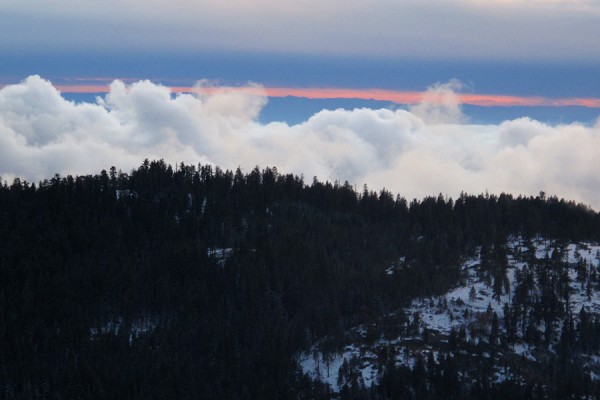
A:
(394, 96)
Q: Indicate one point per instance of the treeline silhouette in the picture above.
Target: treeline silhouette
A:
(195, 282)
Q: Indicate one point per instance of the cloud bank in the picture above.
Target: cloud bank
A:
(426, 150)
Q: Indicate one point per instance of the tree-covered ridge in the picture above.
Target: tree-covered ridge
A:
(194, 282)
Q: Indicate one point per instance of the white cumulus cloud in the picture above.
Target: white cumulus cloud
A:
(418, 152)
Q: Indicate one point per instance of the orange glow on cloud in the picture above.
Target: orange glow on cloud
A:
(394, 96)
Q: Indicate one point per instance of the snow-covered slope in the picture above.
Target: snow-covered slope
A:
(467, 313)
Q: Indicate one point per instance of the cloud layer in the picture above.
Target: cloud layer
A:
(563, 30)
(422, 151)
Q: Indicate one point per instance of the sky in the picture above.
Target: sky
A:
(418, 97)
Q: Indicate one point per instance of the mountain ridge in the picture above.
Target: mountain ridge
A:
(193, 282)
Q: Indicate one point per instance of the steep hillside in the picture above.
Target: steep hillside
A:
(541, 308)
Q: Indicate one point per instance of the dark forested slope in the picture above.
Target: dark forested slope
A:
(196, 282)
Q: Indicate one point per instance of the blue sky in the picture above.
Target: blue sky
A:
(536, 49)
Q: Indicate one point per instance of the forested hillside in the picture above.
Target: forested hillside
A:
(191, 282)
